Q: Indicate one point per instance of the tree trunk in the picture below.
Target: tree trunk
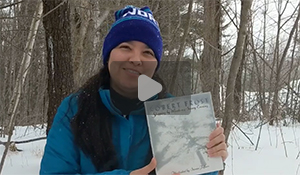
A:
(81, 11)
(59, 62)
(181, 50)
(235, 63)
(211, 59)
(275, 59)
(3, 79)
(290, 92)
(238, 84)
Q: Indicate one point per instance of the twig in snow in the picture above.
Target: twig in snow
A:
(297, 169)
(243, 133)
(285, 151)
(298, 155)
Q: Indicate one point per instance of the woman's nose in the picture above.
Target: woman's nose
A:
(135, 59)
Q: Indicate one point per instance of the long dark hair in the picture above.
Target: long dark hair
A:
(92, 127)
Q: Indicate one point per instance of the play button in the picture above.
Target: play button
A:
(147, 87)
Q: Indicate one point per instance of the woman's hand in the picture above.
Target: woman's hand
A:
(216, 147)
(146, 169)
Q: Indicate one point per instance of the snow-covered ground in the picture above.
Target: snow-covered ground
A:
(28, 160)
(269, 158)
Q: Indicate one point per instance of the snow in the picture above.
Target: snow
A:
(27, 161)
(243, 159)
(269, 158)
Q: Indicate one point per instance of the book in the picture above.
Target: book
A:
(179, 129)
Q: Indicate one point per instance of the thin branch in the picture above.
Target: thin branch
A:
(54, 8)
(228, 51)
(284, 8)
(217, 49)
(291, 16)
(231, 19)
(9, 5)
(14, 17)
(195, 52)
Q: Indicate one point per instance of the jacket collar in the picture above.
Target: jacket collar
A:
(106, 99)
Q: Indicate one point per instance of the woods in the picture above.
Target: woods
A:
(246, 53)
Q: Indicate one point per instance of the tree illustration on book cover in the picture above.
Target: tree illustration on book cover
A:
(179, 128)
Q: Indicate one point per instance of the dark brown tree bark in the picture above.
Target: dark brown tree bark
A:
(59, 62)
(211, 59)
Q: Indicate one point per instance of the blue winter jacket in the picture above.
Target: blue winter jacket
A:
(130, 138)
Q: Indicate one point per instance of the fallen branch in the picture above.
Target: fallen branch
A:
(24, 141)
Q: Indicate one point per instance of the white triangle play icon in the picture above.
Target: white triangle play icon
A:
(147, 87)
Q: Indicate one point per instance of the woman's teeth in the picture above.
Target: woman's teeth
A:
(132, 71)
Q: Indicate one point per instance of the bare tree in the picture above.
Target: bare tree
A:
(211, 57)
(235, 63)
(275, 104)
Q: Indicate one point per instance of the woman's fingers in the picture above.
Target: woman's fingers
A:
(216, 137)
(146, 169)
(218, 124)
(216, 145)
(219, 130)
(218, 151)
(219, 147)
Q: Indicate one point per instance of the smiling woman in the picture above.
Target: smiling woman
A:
(102, 128)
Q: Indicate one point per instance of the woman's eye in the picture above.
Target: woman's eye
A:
(124, 47)
(149, 53)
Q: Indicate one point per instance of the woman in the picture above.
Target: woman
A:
(102, 128)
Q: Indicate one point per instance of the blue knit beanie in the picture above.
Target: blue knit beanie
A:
(137, 24)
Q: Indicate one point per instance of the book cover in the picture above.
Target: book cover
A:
(179, 128)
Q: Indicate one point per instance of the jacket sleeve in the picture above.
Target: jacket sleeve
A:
(61, 156)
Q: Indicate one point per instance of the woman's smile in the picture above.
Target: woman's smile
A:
(132, 72)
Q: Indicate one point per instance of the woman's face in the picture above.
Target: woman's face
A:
(127, 62)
